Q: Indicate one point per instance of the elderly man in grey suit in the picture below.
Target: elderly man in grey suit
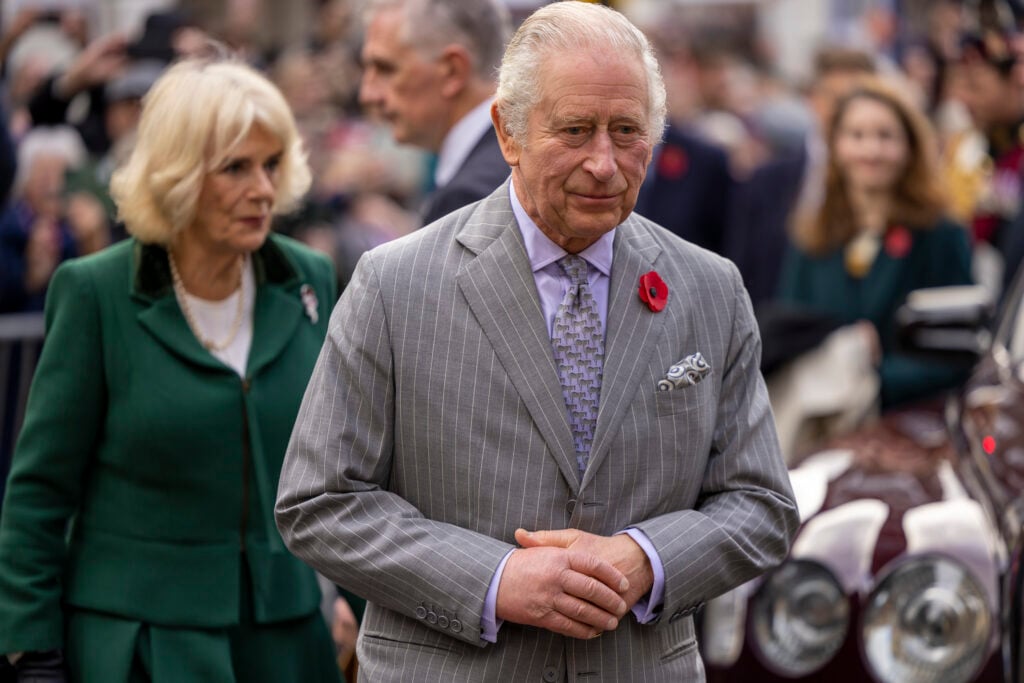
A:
(542, 412)
(429, 72)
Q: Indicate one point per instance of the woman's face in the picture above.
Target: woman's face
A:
(235, 202)
(871, 146)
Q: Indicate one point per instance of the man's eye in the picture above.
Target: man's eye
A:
(575, 130)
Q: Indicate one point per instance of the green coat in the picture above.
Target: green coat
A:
(936, 257)
(145, 466)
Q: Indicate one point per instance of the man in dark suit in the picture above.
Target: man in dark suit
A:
(687, 188)
(429, 72)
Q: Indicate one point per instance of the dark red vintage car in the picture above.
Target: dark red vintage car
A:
(909, 563)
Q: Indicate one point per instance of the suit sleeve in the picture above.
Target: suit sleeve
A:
(63, 421)
(746, 516)
(334, 509)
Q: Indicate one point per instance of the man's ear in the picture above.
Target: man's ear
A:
(510, 149)
(456, 70)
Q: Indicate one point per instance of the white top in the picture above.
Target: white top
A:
(215, 319)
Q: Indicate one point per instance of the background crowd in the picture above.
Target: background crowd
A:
(841, 154)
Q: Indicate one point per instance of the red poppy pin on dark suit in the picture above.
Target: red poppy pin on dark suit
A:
(653, 291)
(898, 242)
(672, 162)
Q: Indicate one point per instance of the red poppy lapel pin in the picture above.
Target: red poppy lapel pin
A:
(309, 302)
(672, 162)
(653, 291)
(898, 242)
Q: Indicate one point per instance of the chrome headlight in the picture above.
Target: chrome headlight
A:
(927, 621)
(800, 617)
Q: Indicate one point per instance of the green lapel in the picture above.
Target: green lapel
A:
(278, 308)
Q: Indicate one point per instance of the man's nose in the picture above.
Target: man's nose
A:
(600, 161)
(369, 89)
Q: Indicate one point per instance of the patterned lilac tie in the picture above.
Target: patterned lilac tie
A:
(578, 343)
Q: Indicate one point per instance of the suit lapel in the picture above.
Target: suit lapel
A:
(631, 336)
(498, 285)
(277, 312)
(162, 317)
(165, 321)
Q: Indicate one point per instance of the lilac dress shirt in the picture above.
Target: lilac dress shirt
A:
(551, 285)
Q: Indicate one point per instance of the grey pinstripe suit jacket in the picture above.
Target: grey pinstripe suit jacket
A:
(434, 426)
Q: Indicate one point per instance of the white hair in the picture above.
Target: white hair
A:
(62, 141)
(570, 27)
(480, 26)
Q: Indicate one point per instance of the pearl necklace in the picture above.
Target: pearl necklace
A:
(193, 323)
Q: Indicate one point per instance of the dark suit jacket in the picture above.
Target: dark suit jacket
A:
(687, 189)
(757, 227)
(163, 458)
(482, 171)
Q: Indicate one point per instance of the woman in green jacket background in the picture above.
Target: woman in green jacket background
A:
(137, 539)
(879, 233)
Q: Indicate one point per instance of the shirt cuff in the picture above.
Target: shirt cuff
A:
(647, 608)
(489, 623)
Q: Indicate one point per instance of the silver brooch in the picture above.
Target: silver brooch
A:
(309, 300)
(685, 373)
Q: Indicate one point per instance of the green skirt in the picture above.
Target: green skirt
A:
(103, 648)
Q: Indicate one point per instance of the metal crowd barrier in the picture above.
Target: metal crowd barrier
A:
(21, 339)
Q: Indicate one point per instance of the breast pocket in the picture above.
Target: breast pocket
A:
(679, 400)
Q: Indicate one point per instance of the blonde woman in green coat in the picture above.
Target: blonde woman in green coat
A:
(137, 540)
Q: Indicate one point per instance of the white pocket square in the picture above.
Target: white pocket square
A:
(685, 373)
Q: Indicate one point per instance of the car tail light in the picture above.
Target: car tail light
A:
(800, 617)
(926, 621)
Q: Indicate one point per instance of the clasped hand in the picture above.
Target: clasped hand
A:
(571, 582)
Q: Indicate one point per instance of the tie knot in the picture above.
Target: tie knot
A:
(575, 267)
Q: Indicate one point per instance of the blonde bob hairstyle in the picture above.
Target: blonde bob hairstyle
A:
(193, 117)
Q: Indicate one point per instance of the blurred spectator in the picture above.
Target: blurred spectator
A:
(985, 164)
(361, 178)
(166, 35)
(879, 233)
(791, 177)
(688, 183)
(44, 225)
(123, 96)
(430, 70)
(33, 46)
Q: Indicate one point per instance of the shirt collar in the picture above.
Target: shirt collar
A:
(460, 141)
(542, 252)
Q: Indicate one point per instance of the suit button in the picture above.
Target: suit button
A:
(442, 621)
(570, 505)
(455, 626)
(676, 617)
(550, 674)
(421, 612)
(431, 617)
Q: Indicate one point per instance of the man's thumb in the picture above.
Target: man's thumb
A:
(560, 538)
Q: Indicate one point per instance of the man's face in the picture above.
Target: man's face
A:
(400, 85)
(587, 146)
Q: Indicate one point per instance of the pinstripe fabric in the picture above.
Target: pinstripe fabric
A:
(434, 426)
